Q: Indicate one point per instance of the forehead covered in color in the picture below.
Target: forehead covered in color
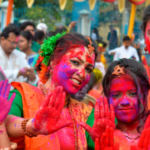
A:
(124, 82)
(81, 53)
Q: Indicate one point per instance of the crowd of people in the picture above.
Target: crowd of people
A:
(58, 92)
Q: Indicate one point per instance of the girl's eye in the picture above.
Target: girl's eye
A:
(115, 95)
(75, 62)
(133, 94)
(89, 70)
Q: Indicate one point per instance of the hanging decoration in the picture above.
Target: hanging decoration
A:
(62, 4)
(147, 2)
(1, 1)
(92, 4)
(137, 2)
(121, 5)
(30, 3)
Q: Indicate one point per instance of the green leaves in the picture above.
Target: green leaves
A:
(47, 49)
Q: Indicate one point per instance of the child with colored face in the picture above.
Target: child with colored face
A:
(126, 87)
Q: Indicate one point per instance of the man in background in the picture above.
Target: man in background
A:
(14, 62)
(126, 50)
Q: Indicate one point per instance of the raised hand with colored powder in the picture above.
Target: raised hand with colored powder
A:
(107, 141)
(47, 117)
(103, 117)
(5, 105)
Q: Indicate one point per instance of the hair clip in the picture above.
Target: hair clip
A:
(118, 71)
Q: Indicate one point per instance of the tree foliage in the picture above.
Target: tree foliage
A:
(50, 16)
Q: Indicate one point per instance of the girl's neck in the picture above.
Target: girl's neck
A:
(29, 51)
(51, 85)
(129, 128)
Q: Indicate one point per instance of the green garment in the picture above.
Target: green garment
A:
(17, 105)
(35, 47)
(35, 60)
(17, 110)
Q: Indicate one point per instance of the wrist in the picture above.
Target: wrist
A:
(30, 127)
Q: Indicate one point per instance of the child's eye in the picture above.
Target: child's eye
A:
(133, 94)
(115, 95)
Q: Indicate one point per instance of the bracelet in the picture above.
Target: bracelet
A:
(23, 126)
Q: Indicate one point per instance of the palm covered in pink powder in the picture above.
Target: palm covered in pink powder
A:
(103, 117)
(5, 105)
(47, 117)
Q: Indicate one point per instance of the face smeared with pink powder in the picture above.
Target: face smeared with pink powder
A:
(123, 96)
(74, 69)
(147, 36)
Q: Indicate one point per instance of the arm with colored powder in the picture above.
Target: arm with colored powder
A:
(46, 120)
(103, 117)
(5, 106)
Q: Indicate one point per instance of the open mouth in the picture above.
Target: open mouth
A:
(76, 81)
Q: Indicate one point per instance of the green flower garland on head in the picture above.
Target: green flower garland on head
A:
(47, 48)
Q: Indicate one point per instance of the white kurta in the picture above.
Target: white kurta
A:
(11, 66)
(122, 52)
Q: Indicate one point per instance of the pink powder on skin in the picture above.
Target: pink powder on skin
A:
(66, 70)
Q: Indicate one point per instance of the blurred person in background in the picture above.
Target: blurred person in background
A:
(101, 62)
(30, 26)
(95, 35)
(14, 62)
(24, 45)
(42, 27)
(39, 37)
(113, 39)
(62, 28)
(126, 50)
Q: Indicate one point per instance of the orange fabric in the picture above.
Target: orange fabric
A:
(32, 98)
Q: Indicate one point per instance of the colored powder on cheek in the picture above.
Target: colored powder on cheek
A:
(65, 71)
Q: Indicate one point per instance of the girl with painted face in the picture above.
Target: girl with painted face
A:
(64, 67)
(126, 87)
